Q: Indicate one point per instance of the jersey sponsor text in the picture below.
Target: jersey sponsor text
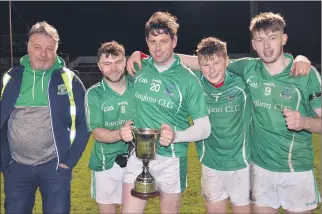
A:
(115, 123)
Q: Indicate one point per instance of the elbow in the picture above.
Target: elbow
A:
(96, 135)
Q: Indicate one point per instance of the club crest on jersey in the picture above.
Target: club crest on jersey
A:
(286, 92)
(232, 95)
(169, 90)
(61, 89)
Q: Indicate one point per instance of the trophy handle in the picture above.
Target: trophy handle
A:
(133, 145)
(133, 135)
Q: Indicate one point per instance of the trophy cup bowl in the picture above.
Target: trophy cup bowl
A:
(145, 149)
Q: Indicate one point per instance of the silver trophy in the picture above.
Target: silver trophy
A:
(145, 149)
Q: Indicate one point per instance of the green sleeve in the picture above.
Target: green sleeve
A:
(196, 102)
(241, 66)
(314, 88)
(94, 114)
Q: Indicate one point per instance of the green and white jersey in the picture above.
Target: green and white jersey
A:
(107, 109)
(274, 146)
(229, 107)
(168, 97)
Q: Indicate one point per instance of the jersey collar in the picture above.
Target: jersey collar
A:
(173, 66)
(107, 89)
(286, 70)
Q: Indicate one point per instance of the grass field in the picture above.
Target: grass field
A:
(192, 201)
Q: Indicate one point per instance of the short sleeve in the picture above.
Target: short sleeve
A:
(94, 115)
(240, 66)
(314, 89)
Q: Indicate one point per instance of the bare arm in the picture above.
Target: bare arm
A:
(111, 136)
(300, 67)
(313, 125)
(106, 135)
(190, 61)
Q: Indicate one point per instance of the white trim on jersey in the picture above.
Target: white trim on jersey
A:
(180, 96)
(103, 84)
(103, 157)
(172, 146)
(87, 111)
(244, 142)
(203, 150)
(317, 74)
(172, 150)
(292, 143)
(179, 106)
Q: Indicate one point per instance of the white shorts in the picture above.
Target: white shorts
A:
(106, 187)
(170, 173)
(294, 191)
(218, 185)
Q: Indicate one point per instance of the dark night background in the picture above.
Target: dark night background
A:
(83, 26)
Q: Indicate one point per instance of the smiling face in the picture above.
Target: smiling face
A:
(269, 45)
(213, 67)
(42, 51)
(161, 47)
(112, 67)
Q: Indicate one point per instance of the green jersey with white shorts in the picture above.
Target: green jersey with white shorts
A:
(107, 109)
(228, 147)
(275, 147)
(168, 97)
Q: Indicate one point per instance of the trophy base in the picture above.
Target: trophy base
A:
(145, 196)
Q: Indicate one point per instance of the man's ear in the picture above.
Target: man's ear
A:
(253, 44)
(174, 41)
(284, 39)
(227, 61)
(99, 67)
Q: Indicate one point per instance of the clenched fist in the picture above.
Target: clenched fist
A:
(294, 120)
(126, 131)
(167, 135)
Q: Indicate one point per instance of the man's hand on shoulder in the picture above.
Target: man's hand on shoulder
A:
(134, 58)
(301, 66)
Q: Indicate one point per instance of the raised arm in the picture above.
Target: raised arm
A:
(190, 61)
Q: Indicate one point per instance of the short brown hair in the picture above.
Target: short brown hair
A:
(45, 29)
(267, 21)
(162, 22)
(110, 48)
(210, 46)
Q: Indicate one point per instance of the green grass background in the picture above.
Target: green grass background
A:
(192, 201)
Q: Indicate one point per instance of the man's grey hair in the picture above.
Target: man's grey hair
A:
(45, 29)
